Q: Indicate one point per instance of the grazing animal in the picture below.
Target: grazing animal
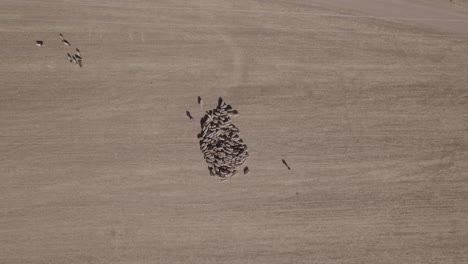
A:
(78, 58)
(233, 112)
(61, 36)
(234, 172)
(189, 115)
(200, 101)
(246, 170)
(70, 58)
(66, 42)
(39, 43)
(211, 171)
(286, 164)
(220, 102)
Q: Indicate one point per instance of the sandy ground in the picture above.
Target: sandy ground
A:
(101, 164)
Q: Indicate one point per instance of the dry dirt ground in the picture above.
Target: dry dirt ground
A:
(101, 164)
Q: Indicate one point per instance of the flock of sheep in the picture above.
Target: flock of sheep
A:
(75, 59)
(220, 143)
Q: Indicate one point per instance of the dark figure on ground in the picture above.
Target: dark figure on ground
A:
(200, 101)
(286, 164)
(70, 58)
(189, 115)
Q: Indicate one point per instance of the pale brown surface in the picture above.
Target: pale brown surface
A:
(101, 165)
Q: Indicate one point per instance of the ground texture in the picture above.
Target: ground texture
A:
(100, 164)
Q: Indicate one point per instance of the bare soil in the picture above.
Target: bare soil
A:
(100, 164)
